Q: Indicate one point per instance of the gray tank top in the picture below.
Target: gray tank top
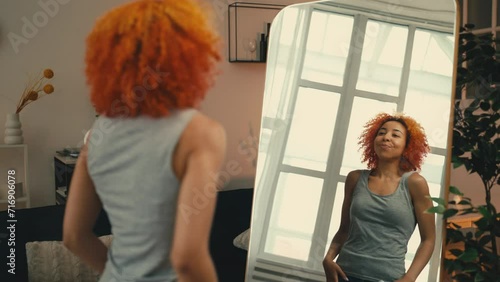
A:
(130, 163)
(380, 229)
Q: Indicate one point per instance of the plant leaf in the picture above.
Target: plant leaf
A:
(479, 277)
(485, 106)
(484, 211)
(456, 252)
(471, 268)
(464, 202)
(484, 240)
(449, 213)
(470, 254)
(439, 201)
(454, 190)
(436, 209)
(482, 223)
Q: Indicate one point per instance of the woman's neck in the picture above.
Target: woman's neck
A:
(387, 169)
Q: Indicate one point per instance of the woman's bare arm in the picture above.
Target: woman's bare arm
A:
(332, 269)
(82, 209)
(419, 191)
(203, 144)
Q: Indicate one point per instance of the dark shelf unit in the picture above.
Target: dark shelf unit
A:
(238, 8)
(64, 167)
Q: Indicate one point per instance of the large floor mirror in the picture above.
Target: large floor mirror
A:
(333, 65)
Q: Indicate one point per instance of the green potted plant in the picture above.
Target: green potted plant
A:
(475, 146)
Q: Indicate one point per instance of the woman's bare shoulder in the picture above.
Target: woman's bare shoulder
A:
(417, 184)
(354, 175)
(352, 180)
(204, 131)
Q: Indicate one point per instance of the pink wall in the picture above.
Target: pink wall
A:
(472, 187)
(62, 119)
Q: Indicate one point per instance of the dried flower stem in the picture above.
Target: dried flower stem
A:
(35, 89)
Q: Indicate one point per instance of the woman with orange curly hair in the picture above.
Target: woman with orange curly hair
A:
(151, 157)
(382, 206)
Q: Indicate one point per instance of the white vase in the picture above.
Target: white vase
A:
(13, 133)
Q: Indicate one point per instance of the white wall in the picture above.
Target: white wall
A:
(60, 120)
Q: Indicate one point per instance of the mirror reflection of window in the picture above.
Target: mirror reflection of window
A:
(292, 218)
(316, 108)
(382, 59)
(280, 81)
(322, 86)
(328, 42)
(429, 79)
(337, 209)
(311, 131)
(362, 110)
(264, 140)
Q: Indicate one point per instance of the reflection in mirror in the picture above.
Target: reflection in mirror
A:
(333, 65)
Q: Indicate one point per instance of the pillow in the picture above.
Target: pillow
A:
(51, 261)
(241, 241)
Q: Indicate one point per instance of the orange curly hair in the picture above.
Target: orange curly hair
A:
(416, 141)
(149, 57)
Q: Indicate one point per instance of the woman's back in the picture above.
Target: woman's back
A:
(149, 58)
(130, 162)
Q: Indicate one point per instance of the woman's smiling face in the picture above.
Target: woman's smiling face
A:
(390, 141)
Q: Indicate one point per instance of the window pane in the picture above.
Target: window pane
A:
(265, 136)
(432, 55)
(311, 130)
(430, 84)
(460, 10)
(434, 119)
(497, 36)
(286, 246)
(432, 171)
(293, 215)
(498, 14)
(480, 13)
(382, 58)
(363, 110)
(281, 70)
(336, 214)
(277, 96)
(413, 244)
(328, 44)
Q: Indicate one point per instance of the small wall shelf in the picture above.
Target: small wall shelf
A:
(248, 26)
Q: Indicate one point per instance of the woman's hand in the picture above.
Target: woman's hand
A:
(333, 271)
